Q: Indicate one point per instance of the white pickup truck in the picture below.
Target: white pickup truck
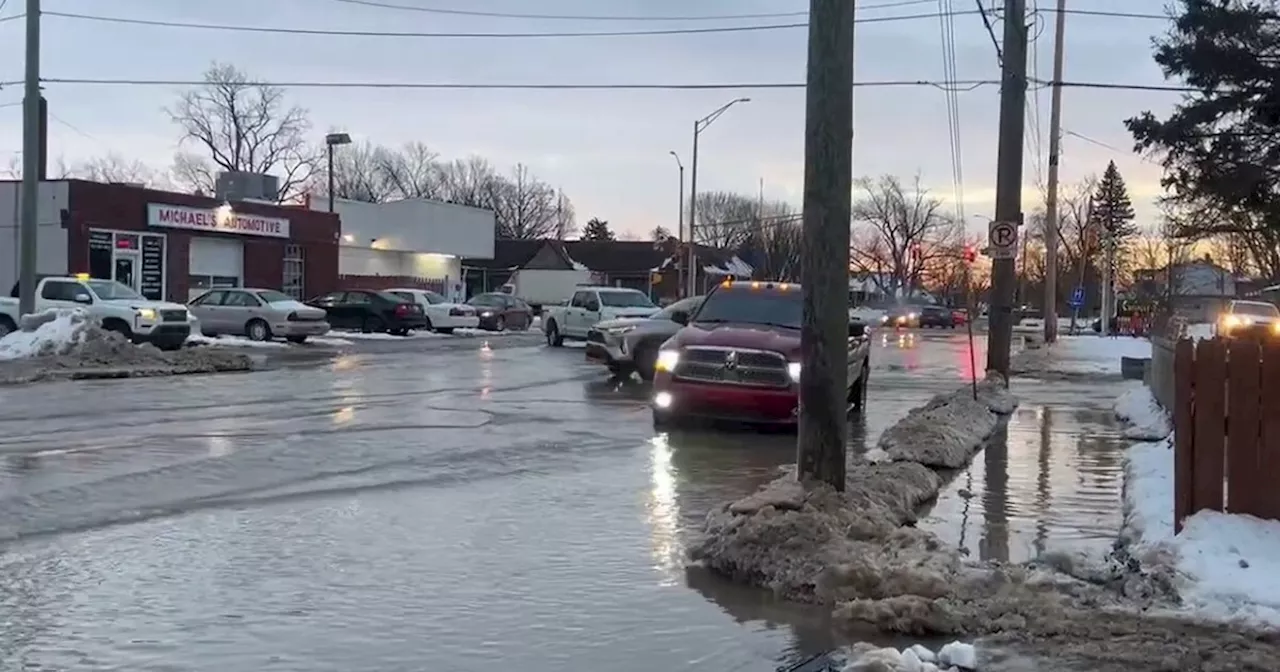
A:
(589, 306)
(116, 306)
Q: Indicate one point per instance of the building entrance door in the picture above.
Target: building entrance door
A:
(126, 268)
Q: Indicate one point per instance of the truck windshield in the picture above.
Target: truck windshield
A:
(1257, 309)
(776, 308)
(109, 290)
(627, 299)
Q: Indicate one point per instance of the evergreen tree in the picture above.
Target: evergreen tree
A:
(1110, 207)
(597, 229)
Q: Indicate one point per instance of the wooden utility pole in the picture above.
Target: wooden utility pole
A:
(1051, 197)
(828, 184)
(1013, 98)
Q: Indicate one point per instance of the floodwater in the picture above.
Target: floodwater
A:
(452, 508)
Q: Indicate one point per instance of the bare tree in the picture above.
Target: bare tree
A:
(659, 234)
(114, 167)
(412, 172)
(471, 181)
(724, 218)
(357, 175)
(242, 125)
(526, 207)
(773, 248)
(898, 232)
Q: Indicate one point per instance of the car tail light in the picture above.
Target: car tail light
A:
(293, 317)
(403, 308)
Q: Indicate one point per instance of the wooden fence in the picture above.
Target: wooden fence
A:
(1226, 418)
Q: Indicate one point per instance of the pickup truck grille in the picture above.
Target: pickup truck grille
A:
(729, 366)
(595, 336)
(173, 315)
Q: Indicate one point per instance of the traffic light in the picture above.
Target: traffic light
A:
(970, 254)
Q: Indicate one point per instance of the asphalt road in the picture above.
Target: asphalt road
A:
(451, 504)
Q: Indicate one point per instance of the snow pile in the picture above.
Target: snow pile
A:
(916, 658)
(1200, 331)
(232, 342)
(62, 343)
(948, 430)
(809, 542)
(1082, 355)
(1228, 566)
(1138, 407)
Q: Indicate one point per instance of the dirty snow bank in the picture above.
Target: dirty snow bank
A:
(67, 343)
(1081, 355)
(1228, 566)
(1139, 408)
(916, 658)
(811, 543)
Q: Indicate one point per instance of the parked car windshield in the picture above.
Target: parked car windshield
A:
(1256, 308)
(625, 299)
(272, 296)
(109, 290)
(778, 308)
(687, 306)
(392, 298)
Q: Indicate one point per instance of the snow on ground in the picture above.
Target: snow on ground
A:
(232, 342)
(1138, 407)
(1228, 565)
(867, 315)
(916, 658)
(57, 330)
(1084, 355)
(463, 333)
(1201, 331)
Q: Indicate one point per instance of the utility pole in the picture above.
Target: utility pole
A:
(1013, 98)
(691, 258)
(1108, 277)
(828, 185)
(29, 229)
(1051, 199)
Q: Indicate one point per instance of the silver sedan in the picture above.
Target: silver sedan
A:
(260, 314)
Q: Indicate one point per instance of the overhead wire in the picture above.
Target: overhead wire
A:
(281, 30)
(1032, 103)
(946, 28)
(607, 17)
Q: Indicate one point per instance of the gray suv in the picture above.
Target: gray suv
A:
(631, 343)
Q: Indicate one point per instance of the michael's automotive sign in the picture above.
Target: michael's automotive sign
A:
(219, 220)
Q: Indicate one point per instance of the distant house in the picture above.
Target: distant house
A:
(1196, 289)
(649, 267)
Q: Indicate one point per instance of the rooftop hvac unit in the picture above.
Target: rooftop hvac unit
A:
(238, 186)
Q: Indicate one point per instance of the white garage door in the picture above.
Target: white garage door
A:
(215, 262)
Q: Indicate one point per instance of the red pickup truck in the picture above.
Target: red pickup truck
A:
(737, 358)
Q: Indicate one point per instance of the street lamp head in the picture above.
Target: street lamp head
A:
(337, 139)
(742, 100)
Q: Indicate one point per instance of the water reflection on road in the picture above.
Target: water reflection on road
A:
(451, 510)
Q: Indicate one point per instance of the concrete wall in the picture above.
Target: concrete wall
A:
(51, 238)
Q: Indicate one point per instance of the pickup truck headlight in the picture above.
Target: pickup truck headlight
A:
(146, 313)
(667, 360)
(793, 370)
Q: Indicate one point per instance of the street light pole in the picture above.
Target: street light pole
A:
(828, 182)
(29, 227)
(698, 127)
(679, 224)
(332, 140)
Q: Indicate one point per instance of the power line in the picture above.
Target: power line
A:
(963, 85)
(532, 35)
(589, 17)
(15, 17)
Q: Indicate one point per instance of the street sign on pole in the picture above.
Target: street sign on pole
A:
(1002, 240)
(1077, 297)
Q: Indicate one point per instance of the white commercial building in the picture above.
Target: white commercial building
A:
(409, 243)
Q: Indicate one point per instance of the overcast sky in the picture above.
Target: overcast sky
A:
(608, 150)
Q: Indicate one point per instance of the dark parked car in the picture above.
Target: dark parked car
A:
(371, 311)
(936, 316)
(499, 312)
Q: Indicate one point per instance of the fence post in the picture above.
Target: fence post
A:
(1184, 430)
(1244, 482)
(1269, 444)
(1208, 471)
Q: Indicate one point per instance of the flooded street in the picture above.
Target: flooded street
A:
(456, 508)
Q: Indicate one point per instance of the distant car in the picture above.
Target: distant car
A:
(1250, 319)
(370, 311)
(500, 312)
(442, 315)
(260, 314)
(631, 343)
(959, 317)
(935, 316)
(902, 317)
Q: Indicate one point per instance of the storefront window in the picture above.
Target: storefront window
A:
(294, 277)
